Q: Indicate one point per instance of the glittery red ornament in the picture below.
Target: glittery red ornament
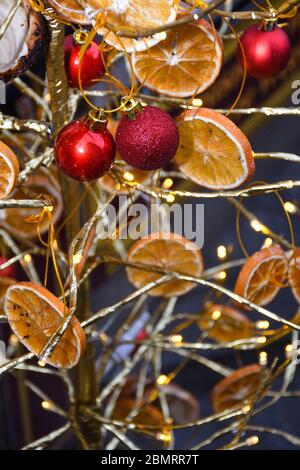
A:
(9, 271)
(91, 66)
(267, 52)
(146, 138)
(85, 149)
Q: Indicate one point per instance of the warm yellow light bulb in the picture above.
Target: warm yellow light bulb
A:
(128, 176)
(263, 358)
(164, 436)
(252, 441)
(222, 251)
(170, 198)
(47, 405)
(262, 324)
(168, 183)
(256, 225)
(77, 258)
(176, 339)
(268, 242)
(27, 258)
(163, 379)
(216, 314)
(222, 275)
(290, 207)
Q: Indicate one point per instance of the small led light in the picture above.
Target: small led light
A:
(27, 258)
(163, 379)
(215, 315)
(256, 225)
(161, 36)
(261, 339)
(170, 198)
(128, 176)
(222, 275)
(290, 207)
(164, 436)
(252, 441)
(262, 324)
(268, 242)
(246, 409)
(176, 339)
(42, 362)
(222, 251)
(77, 258)
(55, 245)
(168, 183)
(263, 358)
(197, 102)
(47, 405)
(288, 350)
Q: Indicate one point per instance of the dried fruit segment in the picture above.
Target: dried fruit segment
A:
(9, 170)
(224, 324)
(294, 273)
(213, 152)
(148, 416)
(237, 389)
(71, 10)
(34, 315)
(187, 62)
(131, 16)
(262, 276)
(167, 252)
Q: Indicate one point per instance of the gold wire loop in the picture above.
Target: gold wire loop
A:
(80, 36)
(129, 103)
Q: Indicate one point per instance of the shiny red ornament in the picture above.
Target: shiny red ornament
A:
(85, 149)
(267, 52)
(91, 66)
(147, 137)
(9, 271)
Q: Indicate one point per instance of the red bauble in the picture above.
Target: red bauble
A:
(266, 52)
(85, 150)
(91, 66)
(9, 271)
(147, 138)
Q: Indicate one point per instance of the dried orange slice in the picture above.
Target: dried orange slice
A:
(228, 325)
(34, 314)
(70, 10)
(213, 152)
(5, 283)
(9, 170)
(148, 416)
(12, 219)
(237, 389)
(168, 252)
(186, 63)
(183, 405)
(132, 16)
(262, 276)
(294, 273)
